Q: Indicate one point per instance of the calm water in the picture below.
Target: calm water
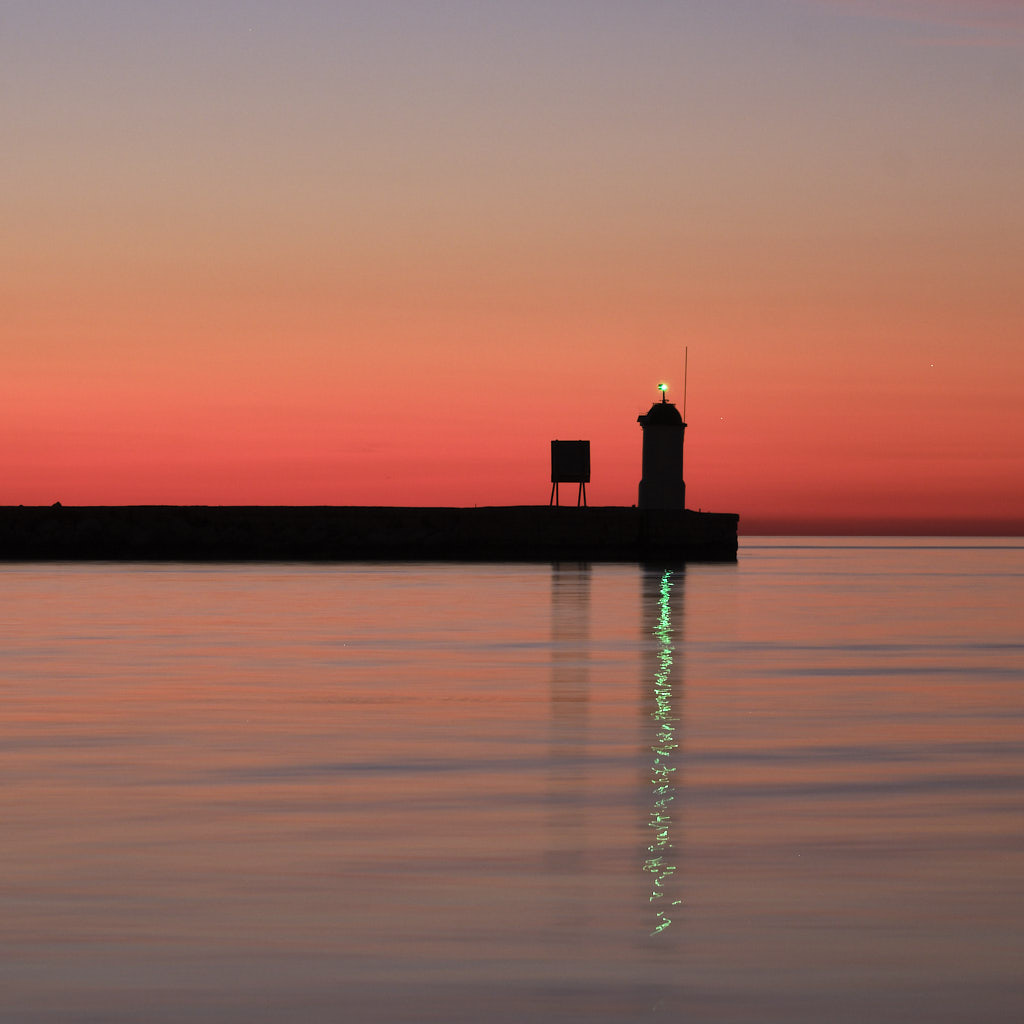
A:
(790, 789)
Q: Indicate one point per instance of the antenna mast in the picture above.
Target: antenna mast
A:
(686, 370)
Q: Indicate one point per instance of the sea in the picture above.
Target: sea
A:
(788, 789)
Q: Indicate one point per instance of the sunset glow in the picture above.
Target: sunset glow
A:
(383, 253)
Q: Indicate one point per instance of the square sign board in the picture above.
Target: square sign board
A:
(570, 462)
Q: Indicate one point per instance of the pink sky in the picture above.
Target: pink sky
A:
(383, 253)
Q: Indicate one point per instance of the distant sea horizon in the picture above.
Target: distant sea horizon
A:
(758, 526)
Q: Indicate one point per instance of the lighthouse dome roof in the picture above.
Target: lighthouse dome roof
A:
(661, 414)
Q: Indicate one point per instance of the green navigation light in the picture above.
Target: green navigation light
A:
(663, 387)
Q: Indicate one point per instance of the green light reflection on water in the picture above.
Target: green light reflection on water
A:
(657, 864)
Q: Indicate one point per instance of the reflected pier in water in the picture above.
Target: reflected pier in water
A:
(569, 704)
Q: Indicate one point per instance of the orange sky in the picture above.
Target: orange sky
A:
(383, 253)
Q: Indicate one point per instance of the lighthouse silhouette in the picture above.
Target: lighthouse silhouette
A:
(662, 483)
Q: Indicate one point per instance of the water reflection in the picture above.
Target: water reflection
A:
(664, 625)
(569, 714)
(570, 661)
(240, 794)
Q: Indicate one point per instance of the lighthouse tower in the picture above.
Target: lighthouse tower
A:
(662, 484)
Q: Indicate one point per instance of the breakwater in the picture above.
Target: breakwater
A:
(345, 533)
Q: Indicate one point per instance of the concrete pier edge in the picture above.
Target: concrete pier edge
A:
(327, 533)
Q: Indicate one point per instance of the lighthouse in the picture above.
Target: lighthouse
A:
(662, 483)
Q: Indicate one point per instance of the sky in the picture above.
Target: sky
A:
(383, 252)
